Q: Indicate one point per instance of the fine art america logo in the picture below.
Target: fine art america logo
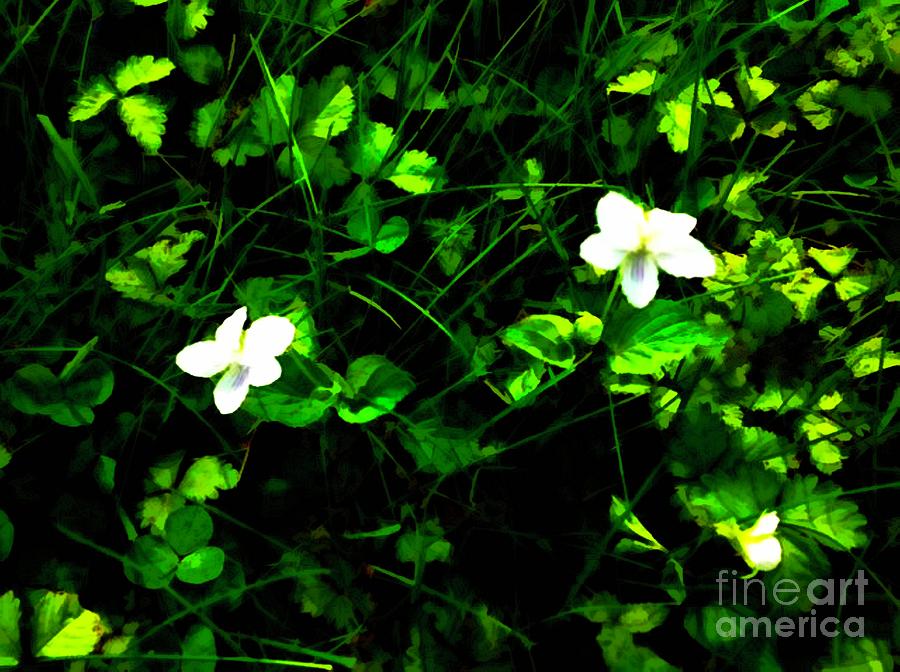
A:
(786, 592)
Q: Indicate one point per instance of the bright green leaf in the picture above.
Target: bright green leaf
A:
(870, 356)
(61, 627)
(415, 172)
(835, 260)
(545, 337)
(376, 387)
(139, 70)
(639, 81)
(205, 477)
(619, 515)
(195, 14)
(201, 566)
(438, 449)
(92, 100)
(814, 103)
(10, 613)
(145, 120)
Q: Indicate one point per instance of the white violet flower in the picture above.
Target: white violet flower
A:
(758, 546)
(246, 356)
(640, 241)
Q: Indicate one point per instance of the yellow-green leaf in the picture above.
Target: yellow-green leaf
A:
(868, 357)
(92, 101)
(62, 627)
(334, 118)
(145, 120)
(835, 260)
(10, 612)
(414, 172)
(195, 14)
(639, 81)
(138, 70)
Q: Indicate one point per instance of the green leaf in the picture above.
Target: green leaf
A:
(588, 328)
(154, 511)
(195, 15)
(244, 143)
(753, 87)
(7, 533)
(738, 201)
(188, 529)
(205, 477)
(201, 566)
(438, 449)
(329, 14)
(415, 172)
(150, 562)
(384, 531)
(870, 357)
(640, 81)
(61, 627)
(145, 120)
(523, 383)
(199, 642)
(647, 341)
(545, 337)
(676, 124)
(164, 471)
(143, 275)
(835, 260)
(392, 234)
(10, 613)
(374, 144)
(139, 70)
(148, 3)
(803, 291)
(105, 473)
(274, 110)
(530, 172)
(453, 239)
(34, 389)
(869, 104)
(376, 386)
(92, 100)
(299, 398)
(620, 515)
(327, 108)
(202, 63)
(814, 103)
(207, 123)
(426, 544)
(818, 507)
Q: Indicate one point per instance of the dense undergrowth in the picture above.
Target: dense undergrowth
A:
(470, 451)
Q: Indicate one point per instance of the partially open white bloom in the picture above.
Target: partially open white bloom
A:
(246, 357)
(758, 546)
(640, 241)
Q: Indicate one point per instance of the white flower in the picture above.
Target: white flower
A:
(640, 241)
(246, 357)
(758, 546)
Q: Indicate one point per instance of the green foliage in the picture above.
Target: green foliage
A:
(61, 627)
(150, 562)
(199, 642)
(10, 614)
(188, 529)
(7, 534)
(201, 566)
(206, 477)
(374, 387)
(544, 337)
(143, 275)
(66, 399)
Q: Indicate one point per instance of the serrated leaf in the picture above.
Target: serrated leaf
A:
(453, 239)
(640, 81)
(10, 614)
(154, 511)
(195, 14)
(414, 172)
(655, 337)
(207, 123)
(92, 101)
(205, 477)
(145, 120)
(676, 124)
(819, 507)
(334, 118)
(367, 155)
(834, 260)
(201, 566)
(753, 87)
(202, 63)
(139, 70)
(425, 544)
(814, 103)
(619, 514)
(438, 449)
(61, 627)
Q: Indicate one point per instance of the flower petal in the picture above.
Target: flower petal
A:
(229, 332)
(231, 390)
(767, 524)
(204, 359)
(268, 337)
(683, 256)
(764, 554)
(639, 279)
(663, 222)
(620, 220)
(264, 371)
(598, 251)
